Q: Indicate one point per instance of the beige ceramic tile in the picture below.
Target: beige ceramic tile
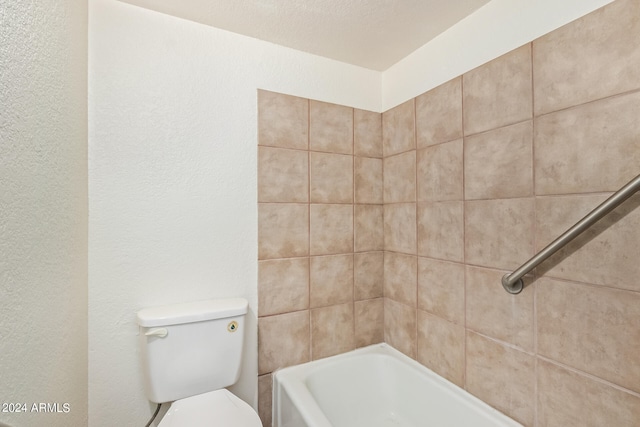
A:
(590, 58)
(283, 175)
(400, 227)
(331, 280)
(290, 331)
(499, 233)
(400, 178)
(265, 385)
(441, 289)
(440, 172)
(498, 93)
(401, 277)
(439, 114)
(369, 228)
(590, 328)
(283, 286)
(330, 128)
(283, 230)
(367, 133)
(368, 180)
(369, 322)
(441, 230)
(496, 313)
(605, 254)
(501, 376)
(283, 120)
(330, 178)
(332, 330)
(441, 347)
(400, 327)
(499, 164)
(566, 398)
(398, 129)
(331, 229)
(368, 275)
(593, 147)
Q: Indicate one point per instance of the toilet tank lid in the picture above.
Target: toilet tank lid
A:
(190, 312)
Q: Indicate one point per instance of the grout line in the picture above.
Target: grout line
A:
(312, 203)
(284, 313)
(532, 277)
(496, 128)
(504, 270)
(282, 148)
(353, 230)
(582, 104)
(587, 193)
(595, 193)
(415, 201)
(464, 234)
(535, 243)
(430, 313)
(384, 317)
(591, 285)
(589, 376)
(503, 343)
(309, 225)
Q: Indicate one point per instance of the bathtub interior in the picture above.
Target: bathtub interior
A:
(375, 387)
(370, 396)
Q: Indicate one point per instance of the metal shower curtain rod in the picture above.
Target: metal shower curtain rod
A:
(513, 283)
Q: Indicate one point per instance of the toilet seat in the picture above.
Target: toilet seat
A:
(219, 408)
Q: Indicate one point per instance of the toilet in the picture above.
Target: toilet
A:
(190, 352)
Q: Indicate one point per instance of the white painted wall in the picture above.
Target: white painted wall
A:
(493, 30)
(43, 209)
(173, 177)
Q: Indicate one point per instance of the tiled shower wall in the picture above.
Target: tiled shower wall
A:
(320, 277)
(485, 170)
(479, 174)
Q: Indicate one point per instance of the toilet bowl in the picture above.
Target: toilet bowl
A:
(216, 408)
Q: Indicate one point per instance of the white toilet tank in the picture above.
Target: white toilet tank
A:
(191, 348)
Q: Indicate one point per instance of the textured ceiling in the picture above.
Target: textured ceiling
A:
(373, 34)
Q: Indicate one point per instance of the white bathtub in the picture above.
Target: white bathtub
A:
(375, 386)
